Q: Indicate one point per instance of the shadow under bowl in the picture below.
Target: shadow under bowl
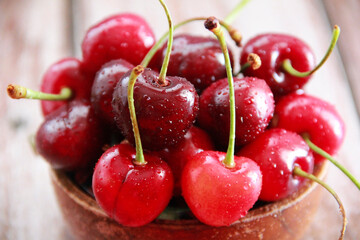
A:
(285, 219)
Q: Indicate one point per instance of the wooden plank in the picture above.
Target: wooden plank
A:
(346, 15)
(34, 34)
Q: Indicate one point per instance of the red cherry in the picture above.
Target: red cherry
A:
(103, 87)
(277, 152)
(196, 140)
(218, 195)
(164, 112)
(309, 115)
(198, 59)
(273, 49)
(254, 109)
(126, 36)
(132, 194)
(70, 137)
(65, 73)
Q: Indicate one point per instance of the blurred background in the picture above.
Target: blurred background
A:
(35, 33)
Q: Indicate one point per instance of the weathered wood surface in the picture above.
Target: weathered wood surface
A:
(35, 33)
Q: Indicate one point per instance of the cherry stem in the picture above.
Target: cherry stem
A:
(213, 25)
(253, 61)
(18, 92)
(324, 154)
(286, 65)
(299, 172)
(235, 12)
(139, 158)
(234, 34)
(162, 81)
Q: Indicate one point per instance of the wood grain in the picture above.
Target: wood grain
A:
(36, 33)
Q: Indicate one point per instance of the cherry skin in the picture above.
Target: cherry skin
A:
(126, 36)
(71, 137)
(277, 152)
(273, 49)
(103, 87)
(254, 109)
(164, 112)
(305, 114)
(65, 73)
(133, 195)
(198, 59)
(217, 195)
(196, 140)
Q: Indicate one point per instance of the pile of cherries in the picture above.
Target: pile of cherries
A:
(184, 121)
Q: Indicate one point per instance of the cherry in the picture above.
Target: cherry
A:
(305, 114)
(126, 36)
(277, 152)
(195, 140)
(254, 109)
(70, 137)
(103, 87)
(218, 187)
(131, 193)
(198, 59)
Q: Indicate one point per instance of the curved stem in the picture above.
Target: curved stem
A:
(299, 172)
(162, 75)
(253, 61)
(286, 65)
(324, 154)
(213, 25)
(18, 92)
(234, 34)
(233, 14)
(139, 158)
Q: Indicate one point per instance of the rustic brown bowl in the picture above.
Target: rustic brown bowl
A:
(286, 219)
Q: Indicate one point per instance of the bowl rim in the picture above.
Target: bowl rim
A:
(83, 199)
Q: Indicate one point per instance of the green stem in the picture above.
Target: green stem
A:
(139, 158)
(253, 61)
(17, 92)
(299, 172)
(213, 25)
(290, 69)
(235, 12)
(162, 75)
(324, 154)
(234, 34)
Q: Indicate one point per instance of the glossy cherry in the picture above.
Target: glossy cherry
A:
(70, 137)
(103, 88)
(164, 112)
(277, 152)
(126, 36)
(273, 49)
(254, 109)
(198, 59)
(132, 194)
(218, 195)
(65, 73)
(195, 140)
(305, 114)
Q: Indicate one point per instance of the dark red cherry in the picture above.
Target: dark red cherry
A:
(305, 114)
(70, 137)
(132, 194)
(277, 152)
(65, 73)
(217, 195)
(164, 112)
(196, 140)
(254, 109)
(198, 59)
(273, 49)
(126, 36)
(103, 87)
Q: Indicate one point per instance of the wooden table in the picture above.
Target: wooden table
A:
(36, 33)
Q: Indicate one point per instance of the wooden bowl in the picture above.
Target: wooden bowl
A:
(286, 219)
